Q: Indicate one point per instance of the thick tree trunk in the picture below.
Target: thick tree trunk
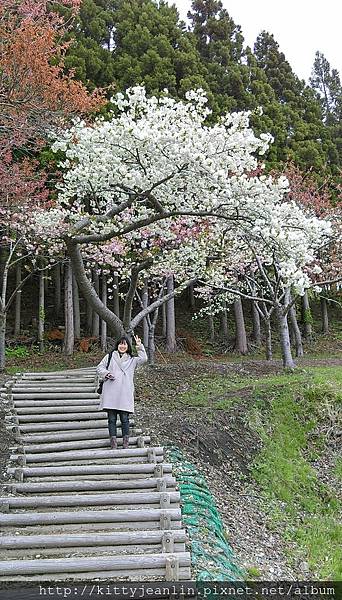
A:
(96, 318)
(307, 318)
(268, 339)
(17, 309)
(103, 323)
(256, 333)
(69, 336)
(58, 292)
(325, 315)
(296, 331)
(41, 311)
(2, 341)
(241, 345)
(76, 305)
(144, 299)
(285, 344)
(171, 344)
(116, 298)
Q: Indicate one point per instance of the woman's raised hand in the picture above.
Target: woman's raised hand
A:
(137, 340)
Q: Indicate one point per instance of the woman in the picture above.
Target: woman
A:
(118, 387)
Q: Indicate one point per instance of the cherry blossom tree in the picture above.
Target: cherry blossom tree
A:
(157, 160)
(35, 95)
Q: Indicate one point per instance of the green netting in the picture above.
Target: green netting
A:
(211, 555)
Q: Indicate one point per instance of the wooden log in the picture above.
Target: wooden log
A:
(89, 434)
(71, 565)
(86, 416)
(55, 410)
(79, 444)
(91, 485)
(54, 403)
(60, 426)
(155, 574)
(90, 470)
(53, 395)
(20, 393)
(9, 502)
(89, 455)
(119, 538)
(88, 516)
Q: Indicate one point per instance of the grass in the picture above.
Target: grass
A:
(288, 421)
(290, 413)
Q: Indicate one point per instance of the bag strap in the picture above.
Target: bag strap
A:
(109, 358)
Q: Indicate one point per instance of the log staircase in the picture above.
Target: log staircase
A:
(73, 508)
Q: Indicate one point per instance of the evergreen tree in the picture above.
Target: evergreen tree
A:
(220, 44)
(302, 138)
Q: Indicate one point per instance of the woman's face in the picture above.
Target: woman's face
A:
(123, 346)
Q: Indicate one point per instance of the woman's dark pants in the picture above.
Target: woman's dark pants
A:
(124, 418)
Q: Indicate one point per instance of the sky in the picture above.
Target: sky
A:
(301, 27)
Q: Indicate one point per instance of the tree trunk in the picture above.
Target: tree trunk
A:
(296, 331)
(2, 341)
(224, 323)
(285, 344)
(268, 339)
(116, 298)
(256, 333)
(76, 305)
(307, 317)
(96, 318)
(144, 298)
(151, 345)
(17, 310)
(241, 345)
(171, 344)
(325, 315)
(58, 292)
(211, 328)
(164, 321)
(69, 336)
(103, 323)
(41, 311)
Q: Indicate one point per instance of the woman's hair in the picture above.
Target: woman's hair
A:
(123, 338)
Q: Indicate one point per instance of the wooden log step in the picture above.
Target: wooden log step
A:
(38, 403)
(56, 410)
(143, 575)
(53, 395)
(58, 379)
(91, 485)
(79, 444)
(90, 470)
(93, 564)
(88, 516)
(91, 434)
(60, 426)
(90, 455)
(162, 498)
(51, 418)
(68, 528)
(20, 394)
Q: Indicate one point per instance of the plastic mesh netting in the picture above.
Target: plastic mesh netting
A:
(211, 555)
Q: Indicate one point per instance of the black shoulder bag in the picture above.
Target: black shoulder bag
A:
(99, 389)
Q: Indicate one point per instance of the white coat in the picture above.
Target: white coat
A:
(119, 394)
